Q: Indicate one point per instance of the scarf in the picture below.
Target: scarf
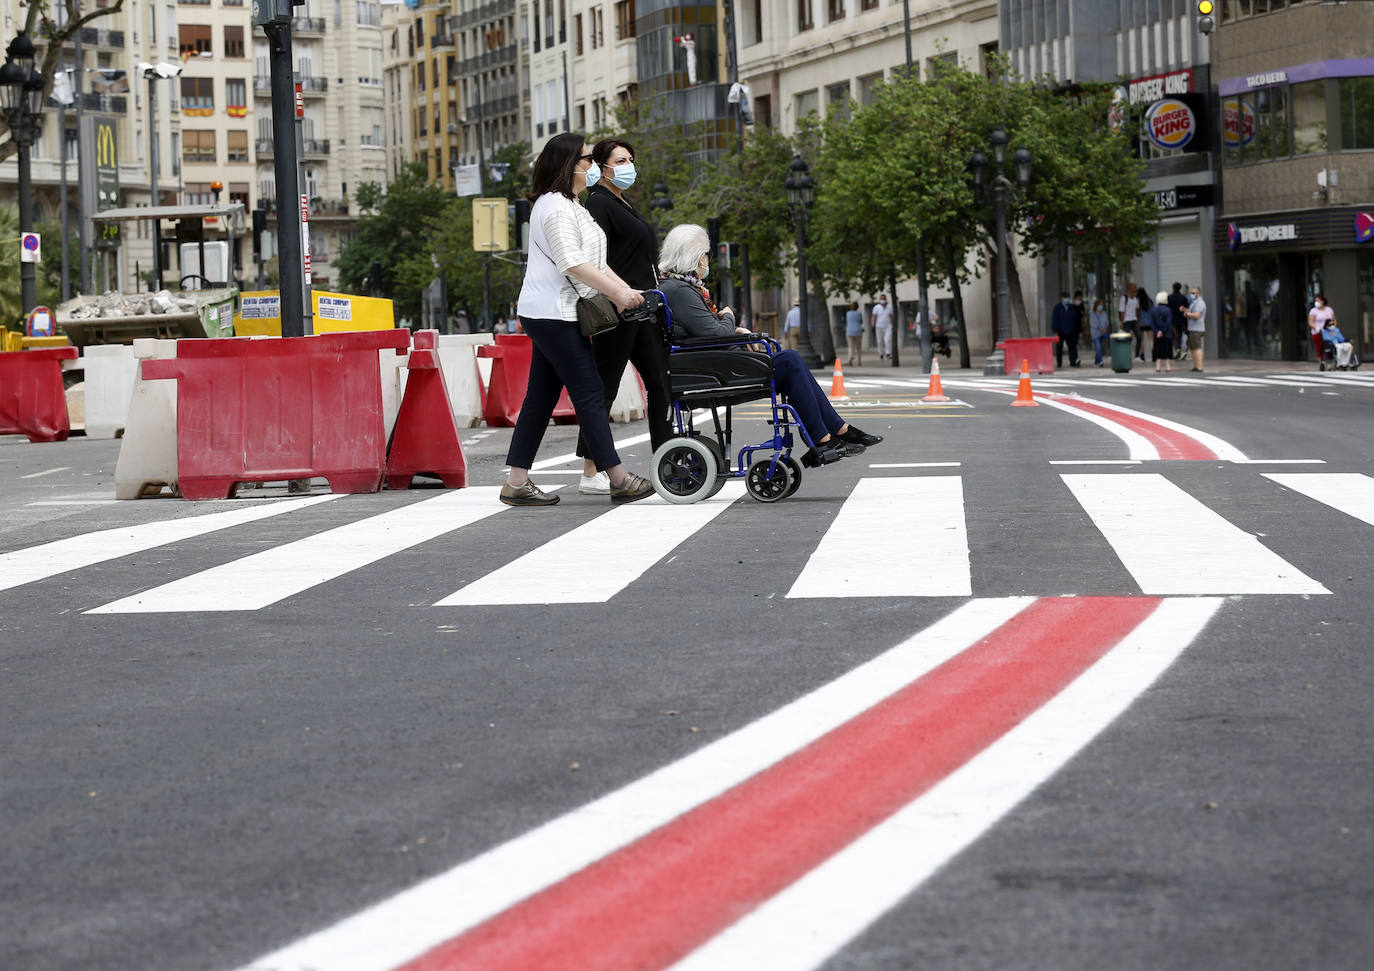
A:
(691, 280)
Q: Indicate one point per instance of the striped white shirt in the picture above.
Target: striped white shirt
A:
(562, 235)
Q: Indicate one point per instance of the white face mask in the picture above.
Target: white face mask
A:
(1320, 304)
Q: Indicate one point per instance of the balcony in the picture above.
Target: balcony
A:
(262, 83)
(265, 149)
(316, 146)
(500, 57)
(485, 13)
(303, 26)
(115, 104)
(328, 208)
(441, 40)
(102, 38)
(315, 87)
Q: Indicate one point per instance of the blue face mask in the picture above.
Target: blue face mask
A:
(593, 174)
(1065, 301)
(623, 176)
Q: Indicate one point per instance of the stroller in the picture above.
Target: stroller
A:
(711, 374)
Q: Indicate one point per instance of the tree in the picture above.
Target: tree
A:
(11, 301)
(41, 28)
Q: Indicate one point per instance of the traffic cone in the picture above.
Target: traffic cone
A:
(837, 392)
(936, 391)
(1024, 398)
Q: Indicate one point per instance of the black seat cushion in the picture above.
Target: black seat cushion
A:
(737, 375)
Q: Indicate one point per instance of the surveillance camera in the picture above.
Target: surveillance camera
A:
(144, 68)
(165, 70)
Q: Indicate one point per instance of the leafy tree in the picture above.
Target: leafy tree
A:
(464, 268)
(11, 310)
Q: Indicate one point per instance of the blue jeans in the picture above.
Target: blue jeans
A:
(561, 357)
(1099, 346)
(795, 380)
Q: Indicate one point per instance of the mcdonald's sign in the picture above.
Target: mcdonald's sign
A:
(106, 164)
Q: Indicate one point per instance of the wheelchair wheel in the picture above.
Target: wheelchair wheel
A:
(766, 488)
(722, 466)
(795, 468)
(683, 470)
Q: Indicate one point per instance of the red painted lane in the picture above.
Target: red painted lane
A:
(1169, 443)
(656, 900)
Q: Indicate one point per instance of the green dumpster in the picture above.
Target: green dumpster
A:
(1122, 345)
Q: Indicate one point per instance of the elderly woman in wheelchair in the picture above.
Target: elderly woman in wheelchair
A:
(712, 364)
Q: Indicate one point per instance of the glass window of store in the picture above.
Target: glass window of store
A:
(1251, 323)
(1366, 321)
(1309, 117)
(1357, 112)
(1282, 122)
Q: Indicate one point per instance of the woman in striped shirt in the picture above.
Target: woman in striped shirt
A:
(567, 259)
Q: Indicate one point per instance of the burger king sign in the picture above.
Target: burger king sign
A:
(1170, 124)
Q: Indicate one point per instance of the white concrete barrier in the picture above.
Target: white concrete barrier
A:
(393, 369)
(463, 375)
(148, 451)
(110, 373)
(629, 399)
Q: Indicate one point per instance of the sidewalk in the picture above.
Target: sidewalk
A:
(911, 361)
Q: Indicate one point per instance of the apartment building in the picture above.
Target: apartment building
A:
(338, 51)
(398, 56)
(1155, 46)
(493, 77)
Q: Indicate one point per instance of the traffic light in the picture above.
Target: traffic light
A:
(723, 256)
(1205, 21)
(259, 228)
(522, 224)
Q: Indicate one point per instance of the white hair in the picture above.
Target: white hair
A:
(1161, 297)
(682, 248)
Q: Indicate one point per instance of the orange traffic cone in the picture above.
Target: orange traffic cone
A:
(936, 391)
(1024, 398)
(837, 392)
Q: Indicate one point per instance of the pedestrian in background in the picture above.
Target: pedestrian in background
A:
(854, 333)
(1197, 326)
(1316, 320)
(1162, 325)
(791, 328)
(1177, 304)
(1080, 319)
(1098, 328)
(1128, 313)
(882, 326)
(1063, 321)
(631, 252)
(567, 260)
(1145, 322)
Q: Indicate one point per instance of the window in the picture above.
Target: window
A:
(369, 14)
(808, 103)
(837, 99)
(624, 19)
(868, 4)
(233, 41)
(197, 96)
(534, 19)
(758, 21)
(236, 147)
(868, 87)
(1309, 117)
(598, 29)
(197, 145)
(804, 21)
(236, 97)
(937, 66)
(763, 111)
(193, 39)
(238, 192)
(835, 10)
(581, 117)
(197, 194)
(577, 34)
(1357, 112)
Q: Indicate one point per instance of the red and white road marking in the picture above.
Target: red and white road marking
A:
(777, 844)
(1148, 437)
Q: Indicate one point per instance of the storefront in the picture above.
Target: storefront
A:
(1273, 265)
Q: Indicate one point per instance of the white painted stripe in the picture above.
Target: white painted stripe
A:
(1224, 450)
(799, 928)
(1279, 461)
(265, 578)
(1138, 447)
(1098, 462)
(1349, 492)
(884, 522)
(570, 456)
(1345, 378)
(1173, 544)
(915, 465)
(415, 920)
(73, 502)
(1227, 381)
(50, 559)
(39, 475)
(629, 540)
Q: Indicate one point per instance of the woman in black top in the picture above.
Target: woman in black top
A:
(631, 244)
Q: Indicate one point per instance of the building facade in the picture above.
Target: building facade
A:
(1296, 86)
(1154, 49)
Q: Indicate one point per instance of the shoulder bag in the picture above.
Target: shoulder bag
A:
(595, 314)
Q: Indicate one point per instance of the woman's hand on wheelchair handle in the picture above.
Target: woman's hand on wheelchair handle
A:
(626, 299)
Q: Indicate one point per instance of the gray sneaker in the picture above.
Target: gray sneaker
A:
(634, 488)
(528, 494)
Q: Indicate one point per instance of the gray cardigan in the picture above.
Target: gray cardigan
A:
(691, 316)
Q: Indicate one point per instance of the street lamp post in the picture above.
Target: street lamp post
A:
(22, 89)
(1001, 192)
(801, 194)
(153, 72)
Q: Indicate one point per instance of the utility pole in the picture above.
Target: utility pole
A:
(153, 199)
(83, 172)
(482, 185)
(307, 303)
(274, 16)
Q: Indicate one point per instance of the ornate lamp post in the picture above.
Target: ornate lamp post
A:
(661, 204)
(1002, 188)
(22, 91)
(801, 194)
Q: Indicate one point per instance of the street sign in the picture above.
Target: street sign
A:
(490, 225)
(40, 323)
(30, 248)
(305, 235)
(108, 235)
(271, 11)
(106, 165)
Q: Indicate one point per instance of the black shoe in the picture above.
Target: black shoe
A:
(855, 437)
(814, 458)
(845, 448)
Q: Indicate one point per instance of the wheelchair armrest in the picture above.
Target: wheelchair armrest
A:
(731, 340)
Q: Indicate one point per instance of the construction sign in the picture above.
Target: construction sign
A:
(259, 313)
(490, 225)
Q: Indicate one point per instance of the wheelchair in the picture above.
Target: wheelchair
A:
(713, 374)
(1328, 359)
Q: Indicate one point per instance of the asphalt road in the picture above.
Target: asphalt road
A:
(196, 788)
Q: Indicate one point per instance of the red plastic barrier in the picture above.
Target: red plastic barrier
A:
(425, 440)
(510, 378)
(280, 408)
(1039, 351)
(33, 401)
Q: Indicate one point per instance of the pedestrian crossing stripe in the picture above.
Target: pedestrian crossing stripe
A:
(918, 522)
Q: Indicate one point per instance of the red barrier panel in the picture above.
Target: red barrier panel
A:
(426, 438)
(1039, 351)
(510, 378)
(279, 408)
(33, 401)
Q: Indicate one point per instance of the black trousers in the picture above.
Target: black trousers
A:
(1071, 342)
(642, 345)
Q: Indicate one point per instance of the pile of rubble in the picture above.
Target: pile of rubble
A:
(112, 304)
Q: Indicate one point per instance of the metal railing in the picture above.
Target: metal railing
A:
(265, 148)
(313, 85)
(316, 146)
(307, 25)
(486, 12)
